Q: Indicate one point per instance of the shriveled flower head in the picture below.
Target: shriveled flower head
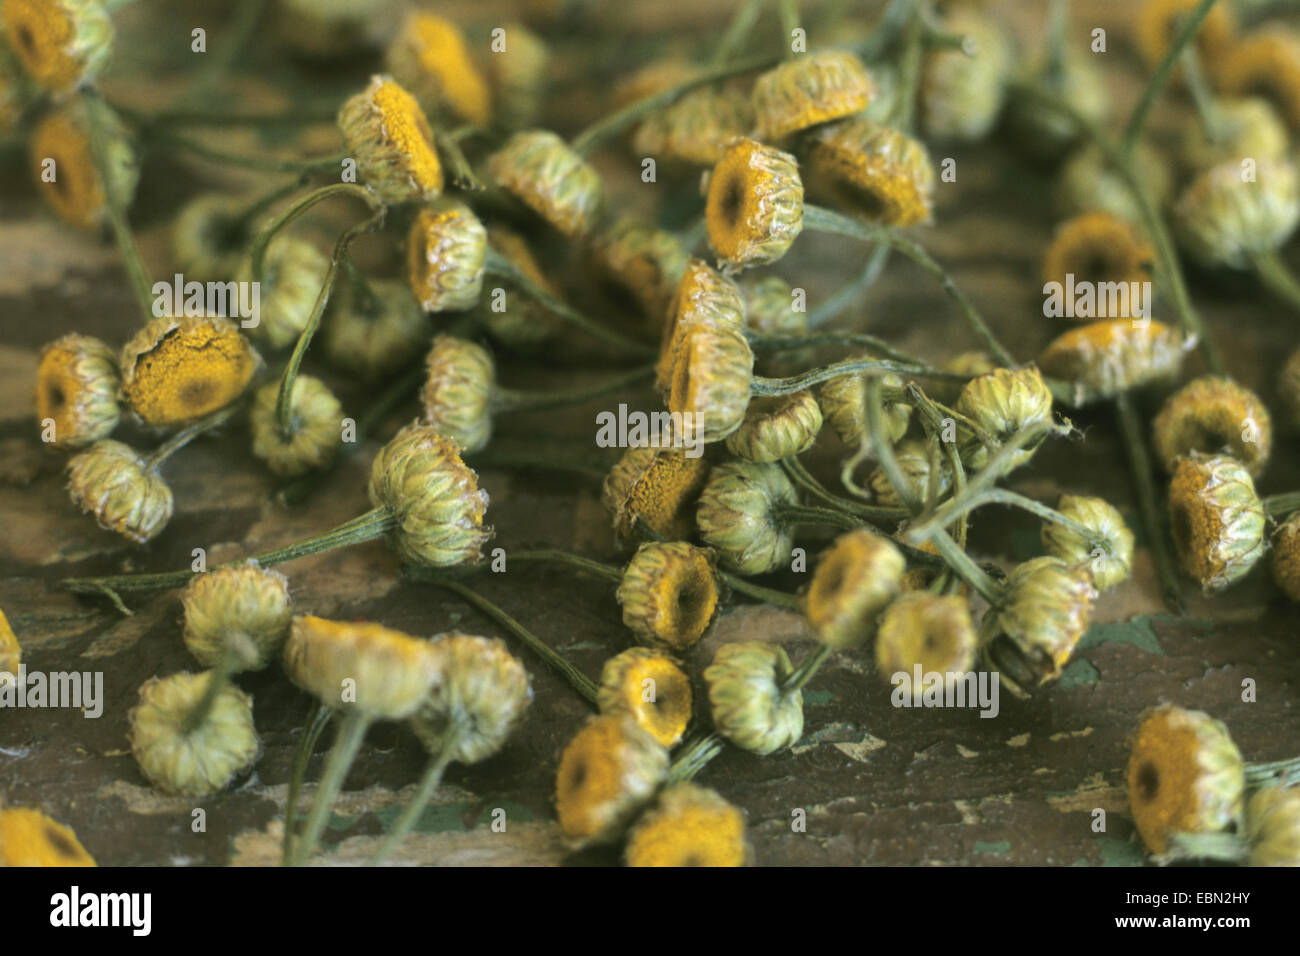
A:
(434, 497)
(808, 90)
(518, 76)
(1096, 247)
(651, 688)
(243, 600)
(608, 772)
(852, 583)
(754, 209)
(375, 330)
(925, 629)
(777, 427)
(1088, 182)
(543, 172)
(428, 56)
(843, 402)
(209, 237)
(711, 376)
(76, 387)
(60, 43)
(1248, 126)
(11, 654)
(1273, 826)
(292, 275)
(739, 516)
(1004, 402)
(749, 707)
(121, 489)
(635, 259)
(1029, 636)
(1266, 63)
(961, 95)
(389, 136)
(445, 252)
(197, 762)
(703, 299)
(689, 826)
(457, 392)
(669, 594)
(1185, 775)
(1225, 221)
(178, 370)
(1214, 414)
(696, 129)
(315, 423)
(1100, 517)
(1217, 520)
(877, 172)
(376, 670)
(1103, 359)
(1285, 563)
(481, 699)
(916, 461)
(60, 146)
(659, 486)
(1159, 21)
(770, 307)
(30, 838)
(523, 323)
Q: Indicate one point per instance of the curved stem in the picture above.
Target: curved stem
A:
(811, 514)
(509, 400)
(1058, 21)
(1277, 278)
(1202, 100)
(964, 566)
(257, 249)
(955, 509)
(1259, 774)
(218, 681)
(598, 568)
(262, 204)
(806, 669)
(802, 477)
(738, 30)
(694, 757)
(462, 172)
(186, 435)
(1139, 460)
(1160, 78)
(761, 385)
(778, 343)
(1279, 506)
(848, 293)
(883, 450)
(789, 13)
(265, 164)
(767, 595)
(429, 782)
(909, 70)
(311, 734)
(352, 733)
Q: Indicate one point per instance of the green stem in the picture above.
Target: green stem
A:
(848, 293)
(233, 41)
(265, 164)
(806, 669)
(1202, 100)
(955, 509)
(1139, 460)
(598, 568)
(1058, 19)
(887, 30)
(1279, 506)
(694, 757)
(882, 449)
(811, 514)
(909, 71)
(351, 734)
(1260, 774)
(788, 10)
(857, 339)
(184, 117)
(1277, 278)
(259, 206)
(311, 734)
(738, 31)
(462, 173)
(429, 782)
(762, 385)
(964, 566)
(218, 681)
(186, 435)
(508, 400)
(257, 249)
(1160, 78)
(757, 591)
(802, 477)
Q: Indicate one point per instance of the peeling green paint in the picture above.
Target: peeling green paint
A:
(818, 698)
(992, 847)
(1136, 631)
(1079, 672)
(1117, 852)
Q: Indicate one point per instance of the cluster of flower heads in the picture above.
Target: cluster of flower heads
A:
(830, 126)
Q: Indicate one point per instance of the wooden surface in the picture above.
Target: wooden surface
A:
(879, 785)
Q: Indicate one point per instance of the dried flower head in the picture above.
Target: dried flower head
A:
(240, 599)
(755, 204)
(745, 694)
(739, 516)
(916, 461)
(209, 237)
(1103, 520)
(1029, 636)
(1245, 126)
(293, 272)
(1103, 359)
(76, 388)
(777, 427)
(191, 763)
(11, 653)
(1226, 221)
(445, 251)
(315, 427)
(60, 43)
(843, 402)
(651, 688)
(64, 168)
(704, 299)
(1217, 520)
(179, 370)
(711, 376)
(1285, 563)
(523, 323)
(457, 392)
(961, 95)
(658, 486)
(428, 56)
(689, 826)
(30, 838)
(1215, 415)
(543, 172)
(696, 129)
(389, 136)
(608, 772)
(669, 594)
(518, 77)
(376, 329)
(124, 493)
(434, 497)
(1003, 403)
(637, 260)
(1265, 63)
(1273, 826)
(1089, 182)
(1158, 22)
(877, 172)
(1096, 248)
(1185, 775)
(809, 90)
(925, 630)
(852, 583)
(770, 307)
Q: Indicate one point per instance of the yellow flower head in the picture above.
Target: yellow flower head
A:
(1103, 359)
(843, 402)
(376, 330)
(638, 260)
(754, 209)
(178, 370)
(852, 584)
(651, 688)
(1273, 826)
(1004, 402)
(524, 323)
(293, 273)
(878, 173)
(697, 128)
(1070, 546)
(389, 136)
(1266, 63)
(609, 771)
(1213, 414)
(746, 698)
(1217, 520)
(60, 43)
(1097, 247)
(808, 90)
(246, 600)
(739, 516)
(543, 172)
(704, 299)
(689, 826)
(429, 57)
(445, 252)
(315, 423)
(669, 594)
(110, 481)
(1285, 561)
(1158, 22)
(76, 388)
(1185, 775)
(777, 427)
(457, 392)
(64, 167)
(1089, 182)
(926, 629)
(658, 486)
(30, 838)
(11, 653)
(711, 377)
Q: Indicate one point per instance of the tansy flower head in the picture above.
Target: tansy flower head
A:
(669, 594)
(1246, 126)
(292, 275)
(962, 95)
(745, 694)
(388, 135)
(1103, 359)
(375, 330)
(689, 826)
(754, 209)
(1185, 775)
(1265, 63)
(1029, 636)
(1273, 826)
(1070, 546)
(1097, 247)
(1004, 402)
(703, 299)
(878, 173)
(209, 238)
(30, 838)
(659, 486)
(1214, 414)
(543, 172)
(429, 57)
(315, 423)
(60, 43)
(1225, 221)
(178, 370)
(11, 654)
(518, 77)
(191, 763)
(481, 699)
(739, 516)
(457, 392)
(523, 323)
(1286, 558)
(1089, 182)
(915, 461)
(241, 599)
(110, 481)
(1159, 21)
(445, 251)
(925, 629)
(711, 376)
(777, 427)
(640, 261)
(76, 387)
(381, 672)
(808, 90)
(843, 402)
(1217, 520)
(60, 146)
(608, 772)
(697, 128)
(651, 688)
(434, 496)
(770, 307)
(853, 581)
